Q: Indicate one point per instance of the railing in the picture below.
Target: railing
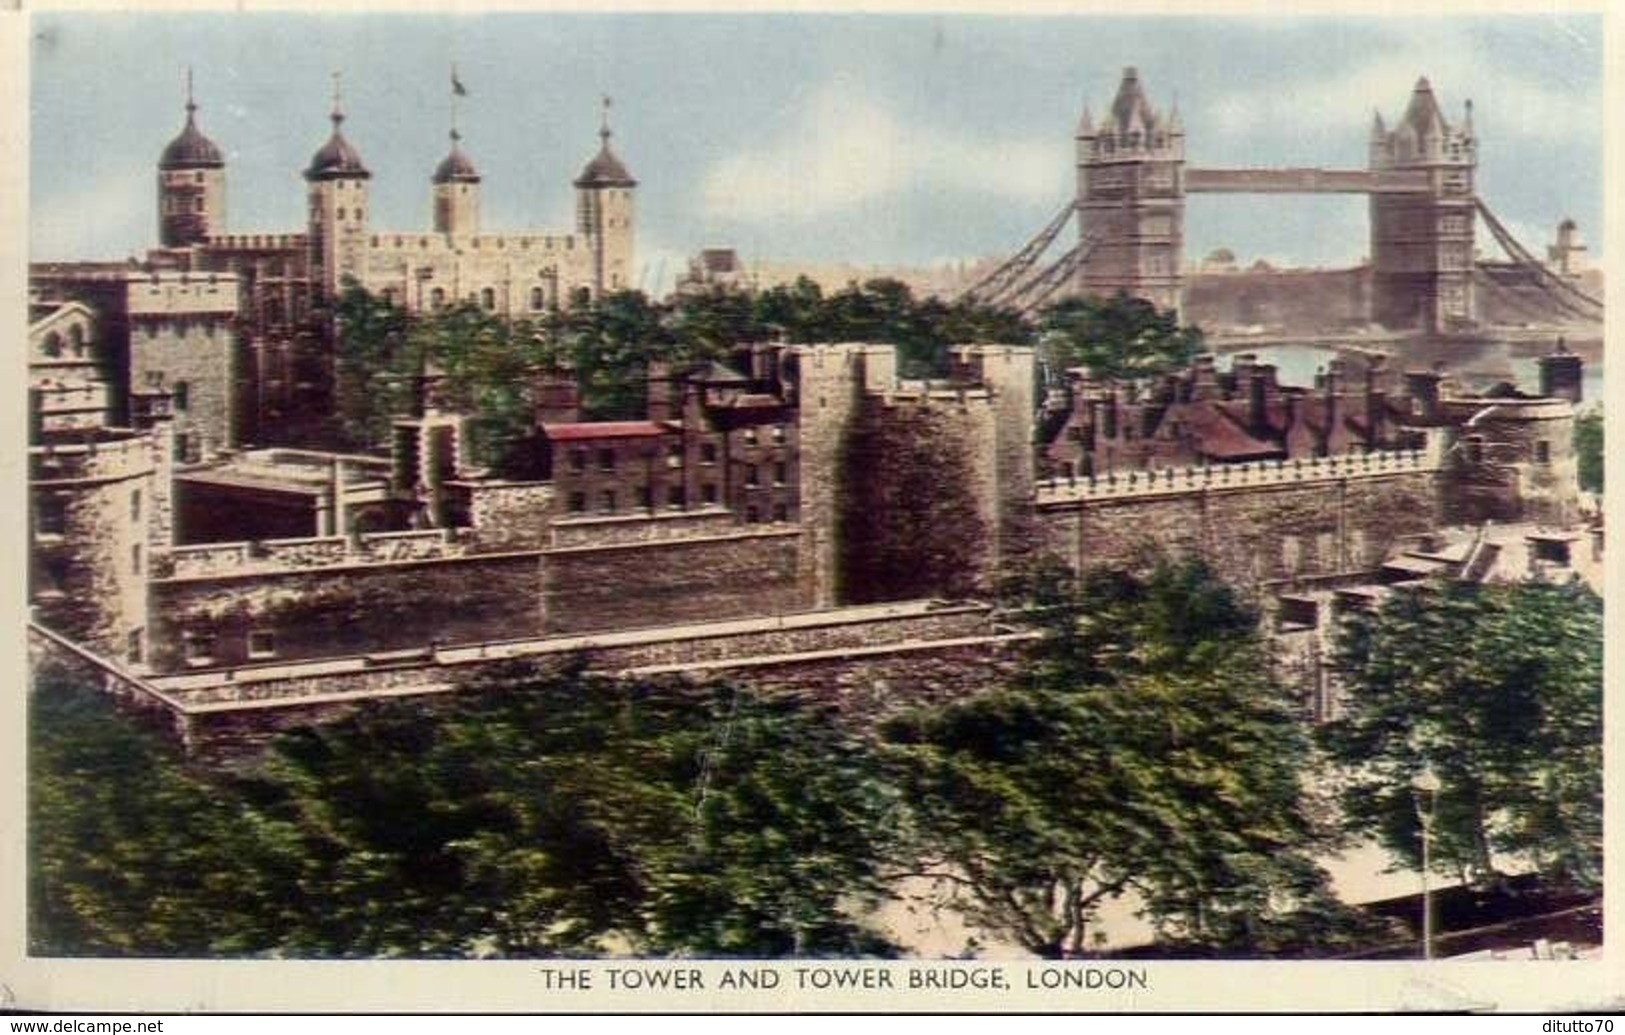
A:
(92, 459)
(1218, 477)
(208, 560)
(53, 645)
(257, 241)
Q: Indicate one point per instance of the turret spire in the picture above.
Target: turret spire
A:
(191, 105)
(604, 132)
(1086, 124)
(338, 100)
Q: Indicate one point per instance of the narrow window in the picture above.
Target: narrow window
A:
(1543, 451)
(708, 493)
(133, 646)
(135, 558)
(578, 502)
(674, 495)
(135, 504)
(708, 453)
(183, 395)
(607, 504)
(779, 471)
(751, 478)
(606, 459)
(261, 644)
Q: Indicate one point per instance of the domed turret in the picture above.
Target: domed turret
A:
(604, 214)
(191, 149)
(338, 206)
(337, 158)
(191, 184)
(456, 192)
(456, 167)
(605, 169)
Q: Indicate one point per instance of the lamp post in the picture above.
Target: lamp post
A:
(1425, 789)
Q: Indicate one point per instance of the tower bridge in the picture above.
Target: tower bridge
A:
(1132, 181)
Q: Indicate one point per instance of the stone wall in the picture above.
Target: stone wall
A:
(828, 379)
(92, 508)
(233, 619)
(181, 339)
(920, 511)
(1253, 534)
(508, 515)
(642, 584)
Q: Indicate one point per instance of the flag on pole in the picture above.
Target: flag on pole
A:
(457, 85)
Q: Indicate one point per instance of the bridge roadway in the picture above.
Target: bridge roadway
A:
(1306, 181)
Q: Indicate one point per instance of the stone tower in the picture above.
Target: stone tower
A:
(191, 185)
(338, 208)
(456, 192)
(604, 215)
(1131, 195)
(1422, 242)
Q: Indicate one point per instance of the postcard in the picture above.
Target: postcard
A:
(744, 510)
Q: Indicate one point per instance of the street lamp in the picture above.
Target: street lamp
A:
(1425, 789)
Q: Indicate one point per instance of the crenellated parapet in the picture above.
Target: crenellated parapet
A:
(1173, 481)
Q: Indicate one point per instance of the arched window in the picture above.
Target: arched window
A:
(76, 339)
(488, 299)
(341, 213)
(53, 344)
(538, 298)
(437, 298)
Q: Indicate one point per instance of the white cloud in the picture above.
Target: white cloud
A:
(1457, 70)
(847, 149)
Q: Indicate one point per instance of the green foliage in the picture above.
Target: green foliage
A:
(1119, 337)
(1499, 690)
(1145, 748)
(537, 815)
(1588, 449)
(130, 851)
(488, 364)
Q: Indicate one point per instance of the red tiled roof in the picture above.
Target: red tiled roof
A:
(585, 430)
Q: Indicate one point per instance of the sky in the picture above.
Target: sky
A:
(870, 139)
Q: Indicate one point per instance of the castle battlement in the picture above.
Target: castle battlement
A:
(386, 243)
(95, 459)
(257, 242)
(1172, 481)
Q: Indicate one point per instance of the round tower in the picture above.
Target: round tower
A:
(191, 185)
(604, 214)
(456, 192)
(337, 193)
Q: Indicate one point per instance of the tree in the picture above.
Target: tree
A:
(534, 814)
(131, 851)
(1588, 449)
(1118, 337)
(1144, 747)
(1499, 689)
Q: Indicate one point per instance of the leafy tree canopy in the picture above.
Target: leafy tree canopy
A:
(538, 815)
(1497, 688)
(1118, 337)
(1146, 747)
(487, 365)
(1588, 449)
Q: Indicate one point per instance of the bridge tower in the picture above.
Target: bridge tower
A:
(1422, 242)
(1131, 198)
